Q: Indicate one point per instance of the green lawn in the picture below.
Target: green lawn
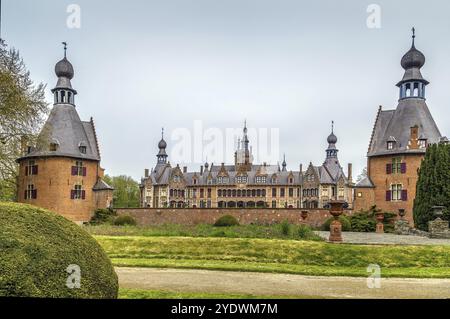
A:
(204, 230)
(160, 294)
(278, 256)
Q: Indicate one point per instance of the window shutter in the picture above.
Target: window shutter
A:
(26, 170)
(388, 196)
(25, 195)
(72, 194)
(83, 194)
(388, 168)
(74, 170)
(34, 193)
(404, 195)
(35, 170)
(84, 171)
(403, 168)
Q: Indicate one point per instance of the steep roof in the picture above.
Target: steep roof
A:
(64, 128)
(397, 124)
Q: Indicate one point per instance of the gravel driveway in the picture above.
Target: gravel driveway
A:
(205, 281)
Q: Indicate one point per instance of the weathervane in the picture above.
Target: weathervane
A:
(65, 49)
(332, 126)
(413, 34)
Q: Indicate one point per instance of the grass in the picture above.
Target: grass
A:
(277, 256)
(162, 294)
(203, 230)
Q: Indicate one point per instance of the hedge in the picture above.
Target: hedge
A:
(36, 249)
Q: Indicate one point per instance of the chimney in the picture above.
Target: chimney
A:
(350, 173)
(301, 169)
(414, 137)
(185, 169)
(146, 172)
(201, 170)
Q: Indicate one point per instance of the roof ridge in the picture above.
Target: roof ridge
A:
(95, 137)
(380, 109)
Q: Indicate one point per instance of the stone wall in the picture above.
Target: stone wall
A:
(193, 216)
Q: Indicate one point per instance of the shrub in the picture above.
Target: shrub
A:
(37, 247)
(103, 216)
(285, 228)
(125, 220)
(362, 222)
(346, 226)
(305, 232)
(226, 220)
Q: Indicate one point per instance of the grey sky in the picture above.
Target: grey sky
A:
(292, 65)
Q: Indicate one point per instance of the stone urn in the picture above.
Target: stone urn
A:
(336, 209)
(304, 214)
(380, 226)
(401, 213)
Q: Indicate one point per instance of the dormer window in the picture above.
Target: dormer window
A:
(54, 145)
(391, 143)
(261, 179)
(176, 179)
(82, 147)
(241, 179)
(423, 143)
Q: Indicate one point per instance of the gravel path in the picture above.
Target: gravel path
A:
(373, 238)
(204, 281)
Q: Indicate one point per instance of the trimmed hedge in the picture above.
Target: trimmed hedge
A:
(345, 221)
(36, 249)
(226, 220)
(125, 220)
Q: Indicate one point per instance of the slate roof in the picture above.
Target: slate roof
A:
(365, 183)
(65, 127)
(396, 124)
(102, 185)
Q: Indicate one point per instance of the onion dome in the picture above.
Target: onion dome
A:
(413, 59)
(64, 69)
(332, 139)
(162, 144)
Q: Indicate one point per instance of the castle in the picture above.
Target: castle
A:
(62, 171)
(398, 144)
(245, 184)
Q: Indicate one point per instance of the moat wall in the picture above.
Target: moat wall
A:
(194, 216)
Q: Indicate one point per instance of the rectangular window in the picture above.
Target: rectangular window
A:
(274, 192)
(209, 192)
(274, 204)
(78, 169)
(31, 168)
(78, 193)
(396, 165)
(30, 192)
(396, 192)
(291, 192)
(202, 193)
(282, 192)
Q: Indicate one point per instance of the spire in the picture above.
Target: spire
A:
(284, 163)
(413, 84)
(63, 92)
(162, 145)
(332, 140)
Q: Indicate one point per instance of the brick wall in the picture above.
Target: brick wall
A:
(54, 183)
(193, 216)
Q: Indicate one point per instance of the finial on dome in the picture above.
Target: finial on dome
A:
(413, 35)
(332, 126)
(65, 49)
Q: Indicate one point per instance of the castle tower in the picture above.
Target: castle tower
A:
(62, 171)
(243, 156)
(398, 143)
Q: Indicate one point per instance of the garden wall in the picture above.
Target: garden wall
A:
(193, 216)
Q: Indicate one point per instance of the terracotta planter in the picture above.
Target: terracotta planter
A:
(401, 213)
(336, 210)
(380, 225)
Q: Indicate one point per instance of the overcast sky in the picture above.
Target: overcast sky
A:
(287, 65)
